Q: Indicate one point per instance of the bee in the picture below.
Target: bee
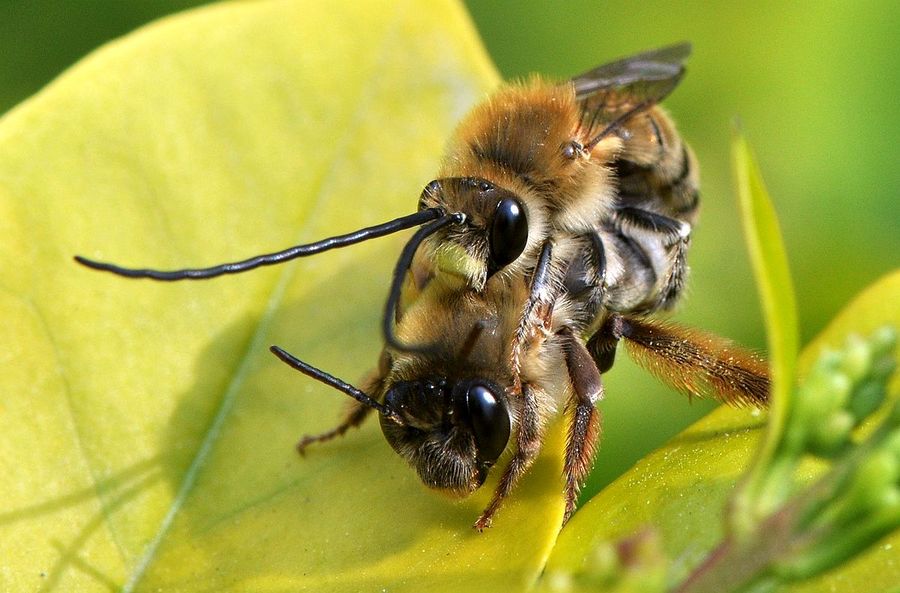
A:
(498, 364)
(559, 221)
(593, 163)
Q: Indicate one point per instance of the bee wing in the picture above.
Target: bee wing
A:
(697, 363)
(612, 93)
(660, 65)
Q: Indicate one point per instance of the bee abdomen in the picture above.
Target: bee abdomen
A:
(656, 169)
(647, 259)
(684, 190)
(630, 279)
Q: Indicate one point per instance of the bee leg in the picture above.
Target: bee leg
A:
(528, 443)
(584, 430)
(675, 281)
(538, 309)
(536, 313)
(354, 417)
(602, 345)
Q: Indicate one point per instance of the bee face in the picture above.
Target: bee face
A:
(495, 234)
(450, 432)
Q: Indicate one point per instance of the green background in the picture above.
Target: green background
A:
(815, 85)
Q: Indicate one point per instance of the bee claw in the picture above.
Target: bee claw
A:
(483, 522)
(304, 443)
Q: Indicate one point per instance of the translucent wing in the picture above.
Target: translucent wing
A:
(612, 93)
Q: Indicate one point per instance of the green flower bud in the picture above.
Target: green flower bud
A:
(823, 394)
(830, 437)
(873, 481)
(866, 398)
(884, 339)
(856, 359)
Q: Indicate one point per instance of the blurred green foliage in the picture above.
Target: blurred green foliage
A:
(815, 84)
(41, 38)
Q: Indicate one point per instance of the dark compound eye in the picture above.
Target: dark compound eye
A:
(573, 150)
(490, 422)
(509, 233)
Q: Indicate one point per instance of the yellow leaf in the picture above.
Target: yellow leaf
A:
(146, 434)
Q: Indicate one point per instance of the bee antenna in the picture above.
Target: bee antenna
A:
(403, 264)
(380, 230)
(332, 381)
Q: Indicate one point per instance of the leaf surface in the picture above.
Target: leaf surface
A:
(146, 434)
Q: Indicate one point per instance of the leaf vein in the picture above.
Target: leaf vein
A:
(257, 341)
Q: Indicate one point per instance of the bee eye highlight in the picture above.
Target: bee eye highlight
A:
(490, 421)
(509, 233)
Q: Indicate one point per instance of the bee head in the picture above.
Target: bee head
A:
(495, 233)
(450, 432)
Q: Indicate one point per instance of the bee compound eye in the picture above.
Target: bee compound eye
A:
(490, 421)
(509, 232)
(573, 150)
(430, 194)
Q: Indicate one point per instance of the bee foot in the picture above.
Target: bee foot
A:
(305, 442)
(483, 522)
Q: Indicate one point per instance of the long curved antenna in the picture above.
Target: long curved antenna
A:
(403, 264)
(332, 381)
(380, 230)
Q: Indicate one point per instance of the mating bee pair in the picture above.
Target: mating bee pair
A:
(562, 212)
